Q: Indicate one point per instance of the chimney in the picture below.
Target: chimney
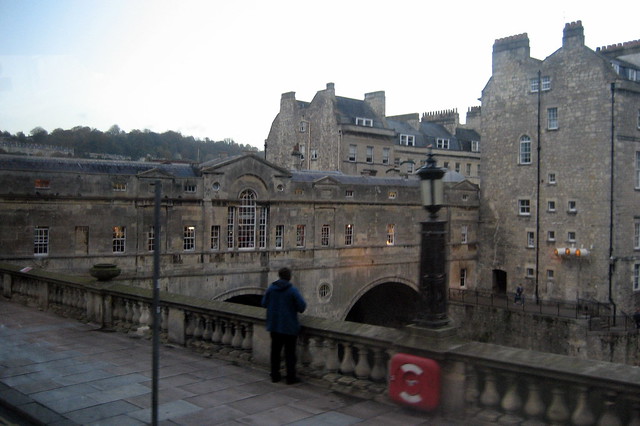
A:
(376, 101)
(573, 35)
(509, 49)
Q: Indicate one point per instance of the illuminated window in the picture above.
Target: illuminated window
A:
(325, 233)
(41, 240)
(119, 239)
(391, 234)
(393, 195)
(119, 186)
(348, 234)
(215, 237)
(189, 238)
(300, 230)
(42, 184)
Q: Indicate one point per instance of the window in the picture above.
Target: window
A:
(119, 239)
(189, 238)
(638, 120)
(367, 122)
(300, 235)
(637, 174)
(530, 272)
(524, 207)
(410, 166)
(119, 186)
(42, 184)
(247, 220)
(442, 143)
(457, 167)
(551, 235)
(636, 235)
(348, 193)
(551, 206)
(353, 151)
(262, 228)
(231, 218)
(348, 234)
(41, 240)
(314, 154)
(572, 206)
(464, 234)
(468, 169)
(391, 234)
(369, 157)
(324, 291)
(475, 146)
(552, 118)
(393, 195)
(525, 150)
(545, 82)
(636, 276)
(279, 236)
(190, 187)
(551, 274)
(531, 239)
(303, 126)
(571, 236)
(325, 233)
(409, 140)
(151, 238)
(385, 155)
(551, 178)
(215, 237)
(463, 277)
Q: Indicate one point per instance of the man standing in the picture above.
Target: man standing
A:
(283, 302)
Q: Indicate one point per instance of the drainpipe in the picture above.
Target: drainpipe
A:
(611, 159)
(538, 192)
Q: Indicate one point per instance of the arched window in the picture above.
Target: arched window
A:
(525, 150)
(247, 220)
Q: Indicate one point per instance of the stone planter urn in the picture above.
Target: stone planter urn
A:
(104, 271)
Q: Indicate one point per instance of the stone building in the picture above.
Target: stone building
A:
(560, 197)
(228, 225)
(356, 137)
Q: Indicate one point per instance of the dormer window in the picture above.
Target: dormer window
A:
(442, 143)
(367, 122)
(408, 140)
(475, 146)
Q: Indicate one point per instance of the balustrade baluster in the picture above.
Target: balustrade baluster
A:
(511, 401)
(208, 331)
(348, 365)
(198, 331)
(189, 329)
(582, 415)
(165, 319)
(236, 342)
(128, 313)
(318, 354)
(135, 320)
(534, 407)
(558, 412)
(490, 396)
(635, 412)
(363, 369)
(379, 371)
(305, 356)
(471, 392)
(247, 342)
(227, 335)
(332, 359)
(216, 337)
(609, 416)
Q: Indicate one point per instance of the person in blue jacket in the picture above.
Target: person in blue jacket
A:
(283, 302)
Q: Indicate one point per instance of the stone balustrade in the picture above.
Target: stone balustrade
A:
(480, 381)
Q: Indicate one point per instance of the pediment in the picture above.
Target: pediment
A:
(326, 180)
(249, 162)
(155, 173)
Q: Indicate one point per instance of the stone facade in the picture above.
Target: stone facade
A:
(355, 137)
(229, 225)
(561, 159)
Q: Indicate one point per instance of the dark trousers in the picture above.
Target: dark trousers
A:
(288, 342)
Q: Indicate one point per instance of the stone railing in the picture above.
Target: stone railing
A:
(480, 381)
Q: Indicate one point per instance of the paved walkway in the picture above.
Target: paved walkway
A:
(62, 372)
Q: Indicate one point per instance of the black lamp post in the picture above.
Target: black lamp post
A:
(432, 308)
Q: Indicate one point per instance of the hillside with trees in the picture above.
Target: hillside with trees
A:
(85, 142)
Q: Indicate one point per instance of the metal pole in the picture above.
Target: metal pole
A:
(155, 306)
(433, 277)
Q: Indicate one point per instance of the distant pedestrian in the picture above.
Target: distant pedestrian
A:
(636, 318)
(283, 302)
(519, 297)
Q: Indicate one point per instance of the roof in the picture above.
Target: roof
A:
(77, 165)
(313, 176)
(348, 109)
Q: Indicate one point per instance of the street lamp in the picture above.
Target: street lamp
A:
(432, 308)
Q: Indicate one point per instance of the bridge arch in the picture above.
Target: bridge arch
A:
(251, 296)
(387, 301)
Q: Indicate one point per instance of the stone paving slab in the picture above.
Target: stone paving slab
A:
(63, 372)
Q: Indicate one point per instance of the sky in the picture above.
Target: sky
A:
(217, 69)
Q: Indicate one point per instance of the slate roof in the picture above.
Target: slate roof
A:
(312, 176)
(348, 109)
(77, 165)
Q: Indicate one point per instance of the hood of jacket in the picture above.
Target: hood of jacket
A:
(281, 285)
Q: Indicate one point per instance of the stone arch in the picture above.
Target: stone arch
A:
(245, 296)
(399, 288)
